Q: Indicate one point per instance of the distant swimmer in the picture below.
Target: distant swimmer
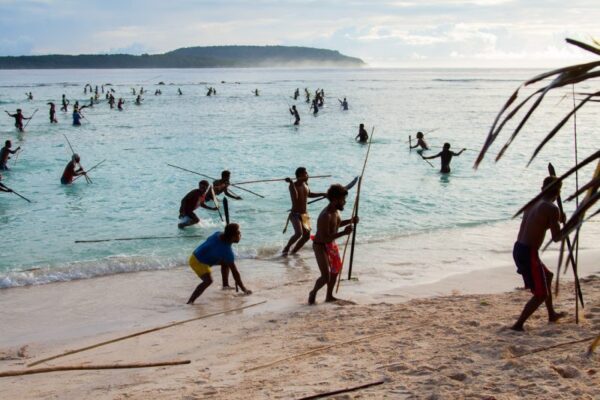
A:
(446, 156)
(344, 104)
(138, 100)
(179, 92)
(324, 246)
(315, 106)
(111, 101)
(71, 171)
(29, 96)
(421, 142)
(76, 116)
(209, 93)
(222, 185)
(194, 199)
(299, 193)
(363, 136)
(256, 92)
(5, 153)
(65, 104)
(216, 250)
(120, 104)
(19, 117)
(133, 91)
(296, 94)
(296, 115)
(52, 112)
(537, 219)
(307, 95)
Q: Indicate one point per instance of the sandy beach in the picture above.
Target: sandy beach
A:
(445, 339)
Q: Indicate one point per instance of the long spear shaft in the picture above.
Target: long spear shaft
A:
(30, 118)
(216, 201)
(277, 179)
(209, 177)
(21, 196)
(88, 180)
(77, 177)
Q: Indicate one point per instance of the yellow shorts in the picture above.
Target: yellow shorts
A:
(198, 267)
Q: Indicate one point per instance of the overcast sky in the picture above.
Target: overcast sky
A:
(411, 33)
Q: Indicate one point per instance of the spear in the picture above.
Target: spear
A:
(277, 180)
(12, 191)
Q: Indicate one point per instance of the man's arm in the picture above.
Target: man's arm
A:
(430, 157)
(459, 153)
(554, 216)
(237, 277)
(15, 150)
(4, 188)
(233, 196)
(353, 220)
(203, 205)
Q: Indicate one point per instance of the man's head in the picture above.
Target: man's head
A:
(446, 146)
(75, 157)
(225, 175)
(203, 185)
(552, 183)
(336, 194)
(232, 233)
(361, 126)
(18, 110)
(8, 144)
(419, 135)
(301, 174)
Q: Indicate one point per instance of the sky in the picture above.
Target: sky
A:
(394, 33)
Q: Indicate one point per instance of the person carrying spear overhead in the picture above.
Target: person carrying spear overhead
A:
(298, 216)
(19, 117)
(539, 217)
(194, 199)
(70, 172)
(324, 246)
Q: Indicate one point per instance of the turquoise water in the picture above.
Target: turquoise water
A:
(134, 193)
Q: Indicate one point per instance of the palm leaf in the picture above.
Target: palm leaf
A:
(593, 185)
(577, 218)
(584, 46)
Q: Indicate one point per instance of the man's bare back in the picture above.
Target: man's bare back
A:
(538, 218)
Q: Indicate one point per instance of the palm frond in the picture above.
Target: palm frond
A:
(584, 46)
(593, 185)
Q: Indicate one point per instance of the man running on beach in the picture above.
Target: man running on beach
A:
(194, 199)
(70, 172)
(420, 142)
(216, 250)
(299, 193)
(363, 136)
(294, 112)
(4, 155)
(324, 246)
(221, 186)
(446, 156)
(19, 117)
(537, 219)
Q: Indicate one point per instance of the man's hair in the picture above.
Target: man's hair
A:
(446, 145)
(7, 143)
(419, 134)
(203, 182)
(300, 171)
(552, 181)
(231, 230)
(336, 191)
(225, 174)
(18, 109)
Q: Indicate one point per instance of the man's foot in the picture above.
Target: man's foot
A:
(190, 302)
(311, 298)
(331, 299)
(284, 253)
(556, 316)
(517, 328)
(226, 287)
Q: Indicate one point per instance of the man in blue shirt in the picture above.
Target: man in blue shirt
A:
(216, 250)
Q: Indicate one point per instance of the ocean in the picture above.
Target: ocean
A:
(136, 194)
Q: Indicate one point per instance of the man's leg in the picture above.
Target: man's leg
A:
(529, 309)
(553, 316)
(206, 282)
(323, 263)
(303, 239)
(330, 286)
(297, 225)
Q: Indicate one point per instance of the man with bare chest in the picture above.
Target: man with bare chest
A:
(537, 219)
(299, 193)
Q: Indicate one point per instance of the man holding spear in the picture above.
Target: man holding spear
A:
(194, 199)
(324, 246)
(70, 172)
(5, 155)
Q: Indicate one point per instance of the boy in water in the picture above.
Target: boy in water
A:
(299, 193)
(363, 136)
(194, 199)
(19, 117)
(294, 112)
(4, 155)
(420, 142)
(216, 250)
(324, 246)
(537, 219)
(446, 156)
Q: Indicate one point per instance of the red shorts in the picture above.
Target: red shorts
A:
(333, 254)
(531, 268)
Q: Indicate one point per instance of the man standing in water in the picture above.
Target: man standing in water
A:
(19, 117)
(194, 199)
(221, 186)
(294, 112)
(324, 246)
(344, 104)
(70, 172)
(4, 155)
(363, 136)
(65, 104)
(216, 250)
(420, 142)
(299, 193)
(537, 219)
(52, 113)
(446, 156)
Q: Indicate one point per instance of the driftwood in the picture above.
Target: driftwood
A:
(554, 346)
(67, 353)
(90, 367)
(352, 389)
(313, 351)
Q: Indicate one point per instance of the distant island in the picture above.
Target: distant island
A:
(193, 57)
